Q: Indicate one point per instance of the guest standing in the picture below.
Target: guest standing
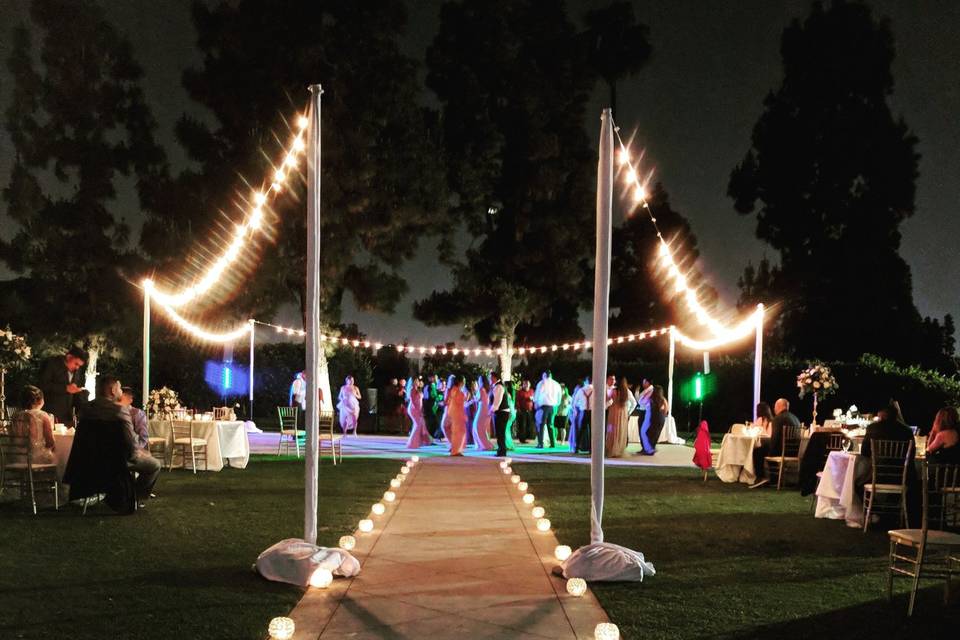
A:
(643, 402)
(298, 392)
(36, 425)
(580, 440)
(419, 434)
(524, 403)
(500, 408)
(547, 398)
(618, 415)
(656, 417)
(348, 404)
(481, 419)
(58, 381)
(456, 416)
(430, 405)
(509, 397)
(563, 413)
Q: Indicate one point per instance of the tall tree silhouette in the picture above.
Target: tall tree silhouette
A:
(513, 92)
(831, 176)
(616, 45)
(79, 124)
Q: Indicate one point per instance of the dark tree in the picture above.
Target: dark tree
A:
(513, 92)
(381, 186)
(831, 176)
(616, 45)
(79, 124)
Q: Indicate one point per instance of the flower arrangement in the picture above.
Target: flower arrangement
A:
(817, 379)
(14, 351)
(162, 403)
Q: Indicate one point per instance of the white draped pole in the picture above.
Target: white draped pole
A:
(313, 314)
(253, 327)
(670, 364)
(758, 361)
(146, 344)
(601, 315)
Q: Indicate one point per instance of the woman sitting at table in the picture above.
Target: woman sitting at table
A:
(36, 425)
(943, 445)
(764, 419)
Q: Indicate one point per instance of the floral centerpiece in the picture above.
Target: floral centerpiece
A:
(817, 379)
(163, 402)
(14, 353)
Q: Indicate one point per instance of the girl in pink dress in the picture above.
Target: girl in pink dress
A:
(419, 436)
(481, 421)
(456, 417)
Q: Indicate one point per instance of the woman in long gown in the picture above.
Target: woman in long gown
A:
(35, 424)
(444, 389)
(348, 404)
(657, 416)
(618, 414)
(419, 435)
(481, 421)
(456, 417)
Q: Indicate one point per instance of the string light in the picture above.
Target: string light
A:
(253, 222)
(197, 331)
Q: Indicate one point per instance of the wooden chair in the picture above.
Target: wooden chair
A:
(184, 440)
(326, 434)
(20, 471)
(889, 462)
(789, 454)
(289, 420)
(221, 413)
(835, 442)
(932, 553)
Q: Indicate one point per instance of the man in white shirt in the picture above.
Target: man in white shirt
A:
(580, 438)
(546, 398)
(298, 391)
(643, 399)
(500, 409)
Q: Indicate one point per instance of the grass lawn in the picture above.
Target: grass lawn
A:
(181, 567)
(735, 563)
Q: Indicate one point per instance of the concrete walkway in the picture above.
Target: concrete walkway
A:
(458, 555)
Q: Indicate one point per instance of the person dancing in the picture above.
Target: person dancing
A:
(653, 424)
(419, 435)
(623, 404)
(500, 408)
(349, 406)
(456, 416)
(481, 421)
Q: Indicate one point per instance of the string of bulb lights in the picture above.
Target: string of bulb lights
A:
(169, 302)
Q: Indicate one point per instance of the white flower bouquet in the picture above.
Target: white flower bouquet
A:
(163, 402)
(14, 351)
(817, 379)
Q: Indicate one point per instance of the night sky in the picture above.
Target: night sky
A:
(693, 107)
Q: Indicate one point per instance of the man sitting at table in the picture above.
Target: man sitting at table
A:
(139, 419)
(888, 427)
(774, 445)
(107, 407)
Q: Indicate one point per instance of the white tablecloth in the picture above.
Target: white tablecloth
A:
(735, 462)
(668, 435)
(226, 441)
(837, 496)
(63, 443)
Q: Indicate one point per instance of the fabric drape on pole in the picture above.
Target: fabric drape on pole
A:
(313, 314)
(253, 331)
(670, 365)
(758, 361)
(601, 315)
(146, 346)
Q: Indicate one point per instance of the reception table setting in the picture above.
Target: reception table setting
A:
(735, 462)
(226, 439)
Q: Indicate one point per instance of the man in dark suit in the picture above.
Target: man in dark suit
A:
(888, 427)
(58, 381)
(773, 447)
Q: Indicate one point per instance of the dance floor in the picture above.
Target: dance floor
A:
(668, 455)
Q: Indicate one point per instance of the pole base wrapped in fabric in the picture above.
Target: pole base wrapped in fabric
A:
(606, 562)
(294, 561)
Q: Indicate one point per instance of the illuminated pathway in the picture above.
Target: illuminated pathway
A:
(459, 556)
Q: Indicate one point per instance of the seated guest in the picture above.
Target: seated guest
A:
(35, 424)
(107, 406)
(942, 446)
(774, 445)
(888, 427)
(765, 419)
(138, 417)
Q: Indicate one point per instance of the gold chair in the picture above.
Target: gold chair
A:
(289, 421)
(935, 553)
(889, 462)
(789, 454)
(157, 445)
(326, 434)
(835, 442)
(184, 439)
(221, 413)
(20, 471)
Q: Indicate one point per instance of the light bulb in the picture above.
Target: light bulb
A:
(639, 194)
(576, 587)
(389, 496)
(298, 144)
(522, 486)
(507, 461)
(302, 122)
(279, 175)
(606, 631)
(623, 157)
(528, 498)
(543, 524)
(404, 470)
(537, 512)
(259, 198)
(366, 525)
(290, 161)
(410, 464)
(514, 478)
(395, 483)
(378, 509)
(507, 471)
(631, 175)
(321, 578)
(415, 458)
(562, 552)
(281, 628)
(347, 542)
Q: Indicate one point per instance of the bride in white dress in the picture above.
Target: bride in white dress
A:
(481, 421)
(348, 404)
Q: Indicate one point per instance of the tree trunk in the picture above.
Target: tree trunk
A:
(95, 345)
(506, 358)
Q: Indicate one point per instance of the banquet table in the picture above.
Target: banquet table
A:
(63, 443)
(226, 441)
(837, 497)
(735, 462)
